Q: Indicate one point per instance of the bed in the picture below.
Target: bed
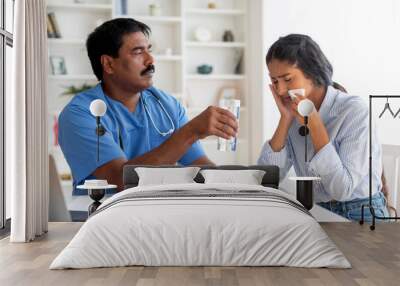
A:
(201, 224)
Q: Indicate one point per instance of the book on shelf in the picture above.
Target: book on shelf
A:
(52, 26)
(50, 30)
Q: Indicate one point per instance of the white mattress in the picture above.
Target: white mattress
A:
(190, 230)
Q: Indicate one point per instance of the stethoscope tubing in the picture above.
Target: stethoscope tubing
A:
(164, 134)
(171, 130)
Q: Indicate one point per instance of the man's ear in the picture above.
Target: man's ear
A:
(108, 64)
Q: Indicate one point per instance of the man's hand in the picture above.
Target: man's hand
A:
(214, 121)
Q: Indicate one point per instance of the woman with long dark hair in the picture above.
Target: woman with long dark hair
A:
(338, 128)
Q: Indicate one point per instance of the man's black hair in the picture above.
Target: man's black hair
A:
(107, 40)
(302, 51)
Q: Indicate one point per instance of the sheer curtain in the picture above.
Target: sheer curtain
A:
(26, 119)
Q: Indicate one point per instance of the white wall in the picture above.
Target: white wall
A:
(359, 37)
(257, 76)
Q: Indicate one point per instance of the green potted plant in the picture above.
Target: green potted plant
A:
(72, 89)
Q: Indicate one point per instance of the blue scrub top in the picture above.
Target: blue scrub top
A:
(77, 131)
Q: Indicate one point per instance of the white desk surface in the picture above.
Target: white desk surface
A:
(81, 203)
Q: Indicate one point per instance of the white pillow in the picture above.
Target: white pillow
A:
(248, 177)
(163, 176)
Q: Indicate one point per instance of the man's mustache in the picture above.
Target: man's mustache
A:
(150, 68)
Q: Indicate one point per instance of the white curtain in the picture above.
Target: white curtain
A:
(26, 119)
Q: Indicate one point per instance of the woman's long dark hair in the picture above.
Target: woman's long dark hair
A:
(302, 51)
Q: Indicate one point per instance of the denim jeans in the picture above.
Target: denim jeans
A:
(352, 209)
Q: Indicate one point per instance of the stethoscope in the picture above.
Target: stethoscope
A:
(172, 129)
(145, 107)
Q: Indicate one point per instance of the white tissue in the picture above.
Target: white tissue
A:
(294, 92)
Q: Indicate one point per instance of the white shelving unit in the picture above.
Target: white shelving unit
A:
(168, 57)
(219, 12)
(79, 6)
(176, 71)
(61, 41)
(215, 44)
(215, 77)
(75, 21)
(153, 19)
(74, 77)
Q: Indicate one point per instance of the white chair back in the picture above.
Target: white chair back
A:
(391, 167)
(57, 207)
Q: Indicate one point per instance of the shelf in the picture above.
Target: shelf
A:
(227, 12)
(72, 77)
(176, 51)
(66, 183)
(81, 6)
(154, 19)
(168, 57)
(65, 41)
(215, 44)
(215, 77)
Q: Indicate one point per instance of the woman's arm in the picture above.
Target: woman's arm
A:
(319, 135)
(275, 151)
(341, 166)
(282, 159)
(344, 164)
(278, 141)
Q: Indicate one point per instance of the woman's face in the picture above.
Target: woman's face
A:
(285, 76)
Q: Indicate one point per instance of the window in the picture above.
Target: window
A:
(6, 44)
(9, 12)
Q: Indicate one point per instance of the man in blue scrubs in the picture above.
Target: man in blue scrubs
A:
(143, 124)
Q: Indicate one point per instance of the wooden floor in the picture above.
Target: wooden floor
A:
(374, 255)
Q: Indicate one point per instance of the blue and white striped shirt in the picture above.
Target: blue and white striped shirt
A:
(342, 164)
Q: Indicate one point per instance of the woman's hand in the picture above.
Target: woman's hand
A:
(278, 140)
(284, 108)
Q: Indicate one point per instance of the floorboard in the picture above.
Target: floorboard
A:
(374, 255)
